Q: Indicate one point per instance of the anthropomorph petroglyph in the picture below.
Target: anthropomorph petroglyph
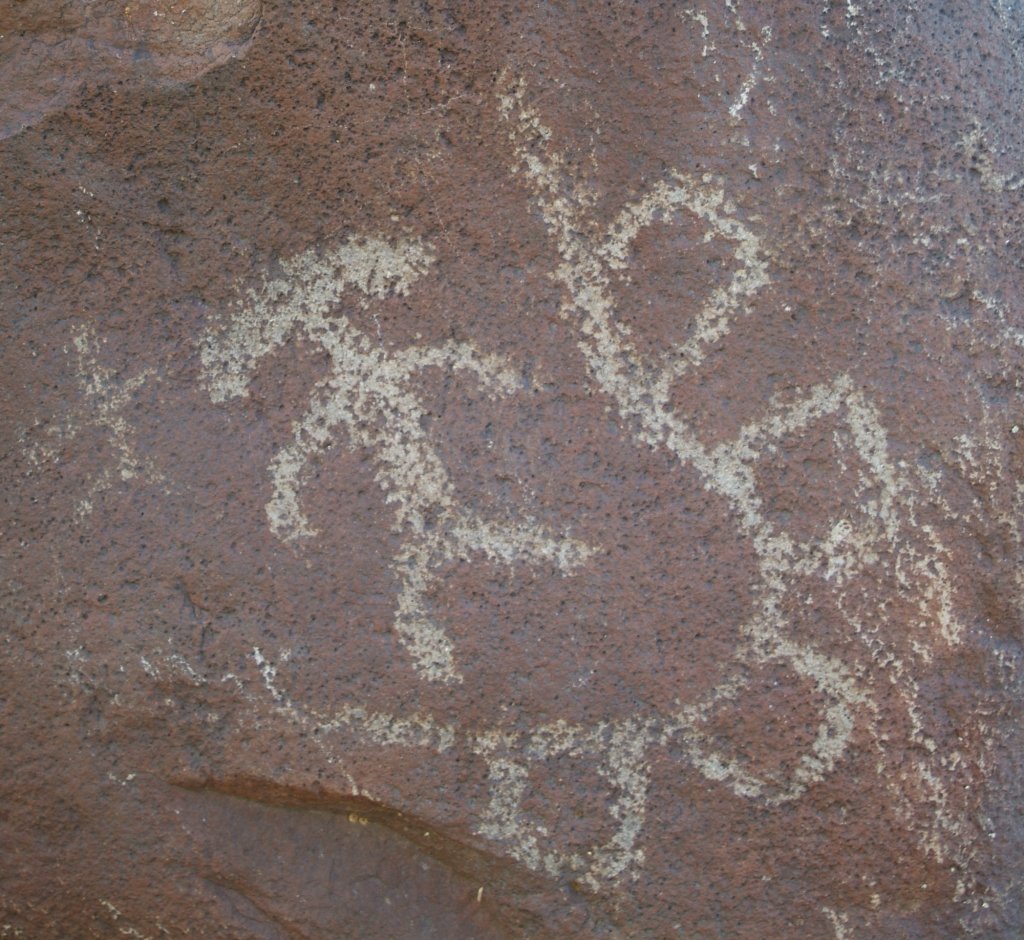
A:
(857, 536)
(105, 398)
(370, 393)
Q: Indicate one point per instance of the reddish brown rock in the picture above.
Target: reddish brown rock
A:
(49, 51)
(511, 471)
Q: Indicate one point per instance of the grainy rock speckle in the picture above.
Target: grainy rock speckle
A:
(511, 470)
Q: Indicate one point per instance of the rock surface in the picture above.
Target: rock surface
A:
(511, 470)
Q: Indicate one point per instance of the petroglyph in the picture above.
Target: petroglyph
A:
(106, 396)
(743, 95)
(370, 393)
(1007, 331)
(884, 524)
(387, 730)
(839, 923)
(976, 151)
(700, 18)
(739, 33)
(616, 750)
(125, 930)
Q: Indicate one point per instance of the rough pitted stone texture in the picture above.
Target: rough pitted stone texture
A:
(511, 470)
